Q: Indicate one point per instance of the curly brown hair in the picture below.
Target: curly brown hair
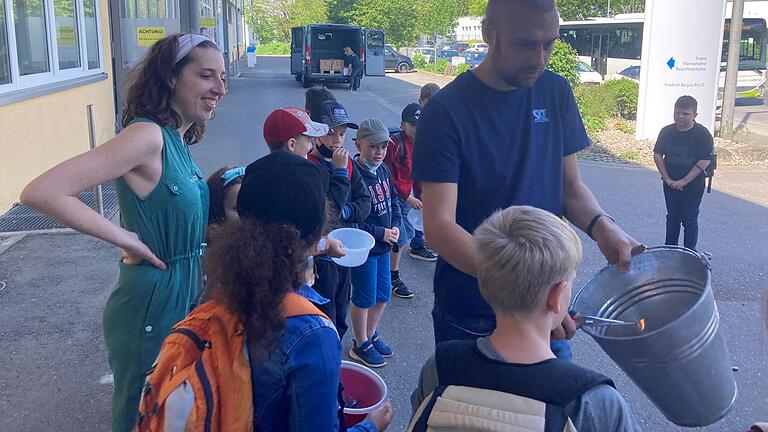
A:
(151, 91)
(252, 266)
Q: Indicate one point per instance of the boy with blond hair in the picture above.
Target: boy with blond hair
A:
(526, 264)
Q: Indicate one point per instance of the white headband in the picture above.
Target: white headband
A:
(187, 42)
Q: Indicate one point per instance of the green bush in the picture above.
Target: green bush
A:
(460, 69)
(419, 62)
(623, 93)
(600, 104)
(564, 61)
(438, 66)
(274, 48)
(593, 107)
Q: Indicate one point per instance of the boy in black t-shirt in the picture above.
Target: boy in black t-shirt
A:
(682, 153)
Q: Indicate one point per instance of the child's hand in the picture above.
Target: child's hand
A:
(335, 248)
(340, 157)
(391, 235)
(397, 231)
(414, 202)
(566, 330)
(382, 416)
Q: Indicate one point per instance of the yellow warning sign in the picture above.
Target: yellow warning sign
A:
(65, 35)
(208, 22)
(149, 35)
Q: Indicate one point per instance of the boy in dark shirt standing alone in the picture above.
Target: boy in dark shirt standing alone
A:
(682, 154)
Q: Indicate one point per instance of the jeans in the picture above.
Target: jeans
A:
(407, 231)
(447, 328)
(355, 77)
(417, 242)
(683, 208)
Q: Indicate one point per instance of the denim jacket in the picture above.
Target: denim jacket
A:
(296, 388)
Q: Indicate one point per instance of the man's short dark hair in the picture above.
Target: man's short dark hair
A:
(539, 5)
(687, 102)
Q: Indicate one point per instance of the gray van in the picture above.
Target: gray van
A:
(313, 42)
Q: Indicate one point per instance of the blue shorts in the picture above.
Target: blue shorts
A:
(372, 282)
(406, 228)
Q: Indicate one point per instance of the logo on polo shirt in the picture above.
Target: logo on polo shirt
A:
(540, 116)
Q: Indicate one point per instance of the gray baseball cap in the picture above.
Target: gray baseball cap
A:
(373, 130)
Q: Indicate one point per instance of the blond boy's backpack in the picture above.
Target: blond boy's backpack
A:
(201, 380)
(476, 393)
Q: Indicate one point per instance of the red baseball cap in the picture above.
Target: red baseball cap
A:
(285, 123)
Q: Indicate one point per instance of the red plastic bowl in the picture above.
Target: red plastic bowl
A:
(363, 386)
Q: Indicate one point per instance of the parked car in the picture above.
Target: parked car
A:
(448, 54)
(478, 47)
(474, 58)
(632, 73)
(460, 46)
(427, 53)
(393, 60)
(587, 75)
(314, 42)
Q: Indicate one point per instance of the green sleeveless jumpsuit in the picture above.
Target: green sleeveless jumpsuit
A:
(147, 301)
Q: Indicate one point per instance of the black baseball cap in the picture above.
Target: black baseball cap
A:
(411, 113)
(283, 188)
(334, 115)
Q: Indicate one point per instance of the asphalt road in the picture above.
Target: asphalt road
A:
(53, 287)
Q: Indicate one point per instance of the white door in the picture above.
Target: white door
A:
(374, 52)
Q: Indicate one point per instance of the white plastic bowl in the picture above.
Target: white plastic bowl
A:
(357, 243)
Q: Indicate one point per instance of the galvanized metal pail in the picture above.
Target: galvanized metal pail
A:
(680, 361)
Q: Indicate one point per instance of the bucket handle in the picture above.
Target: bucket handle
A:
(703, 258)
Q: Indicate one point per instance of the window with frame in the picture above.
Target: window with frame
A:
(5, 61)
(47, 41)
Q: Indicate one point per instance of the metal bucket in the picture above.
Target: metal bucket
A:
(680, 361)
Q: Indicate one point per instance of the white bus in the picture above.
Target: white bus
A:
(611, 45)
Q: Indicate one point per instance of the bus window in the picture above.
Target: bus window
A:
(752, 52)
(626, 43)
(580, 39)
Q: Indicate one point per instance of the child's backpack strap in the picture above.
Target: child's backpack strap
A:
(709, 172)
(296, 305)
(469, 382)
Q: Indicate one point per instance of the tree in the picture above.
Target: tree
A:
(396, 17)
(303, 12)
(476, 7)
(437, 16)
(572, 10)
(338, 11)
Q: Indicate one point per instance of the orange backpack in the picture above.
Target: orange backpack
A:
(205, 354)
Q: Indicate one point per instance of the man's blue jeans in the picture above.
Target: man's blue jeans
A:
(447, 329)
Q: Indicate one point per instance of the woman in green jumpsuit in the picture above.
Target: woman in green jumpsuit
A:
(163, 205)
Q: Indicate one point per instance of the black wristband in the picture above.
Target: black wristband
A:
(593, 222)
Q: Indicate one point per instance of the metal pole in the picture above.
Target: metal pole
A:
(732, 70)
(225, 38)
(609, 8)
(194, 16)
(98, 199)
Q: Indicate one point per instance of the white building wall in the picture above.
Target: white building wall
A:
(468, 28)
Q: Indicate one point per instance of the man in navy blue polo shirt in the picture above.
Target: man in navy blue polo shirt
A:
(503, 134)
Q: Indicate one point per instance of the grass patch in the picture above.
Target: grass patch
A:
(274, 48)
